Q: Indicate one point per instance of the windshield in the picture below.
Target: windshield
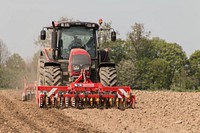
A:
(78, 37)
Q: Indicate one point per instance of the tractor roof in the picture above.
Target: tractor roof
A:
(66, 24)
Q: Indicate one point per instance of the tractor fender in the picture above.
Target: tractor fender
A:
(106, 64)
(51, 64)
(103, 56)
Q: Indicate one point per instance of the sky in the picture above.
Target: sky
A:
(176, 21)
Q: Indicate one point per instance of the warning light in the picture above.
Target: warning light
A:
(56, 23)
(100, 21)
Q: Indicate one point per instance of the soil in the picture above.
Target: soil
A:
(157, 111)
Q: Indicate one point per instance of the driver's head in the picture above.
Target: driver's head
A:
(75, 37)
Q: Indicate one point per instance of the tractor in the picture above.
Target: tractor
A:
(75, 72)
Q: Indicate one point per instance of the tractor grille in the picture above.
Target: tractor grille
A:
(80, 59)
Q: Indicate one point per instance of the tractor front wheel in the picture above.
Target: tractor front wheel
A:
(108, 76)
(53, 76)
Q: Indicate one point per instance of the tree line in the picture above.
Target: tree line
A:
(142, 62)
(153, 63)
(14, 69)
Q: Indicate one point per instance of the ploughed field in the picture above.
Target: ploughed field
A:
(165, 112)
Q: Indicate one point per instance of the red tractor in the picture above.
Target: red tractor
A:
(74, 72)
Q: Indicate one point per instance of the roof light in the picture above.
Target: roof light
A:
(89, 25)
(65, 25)
(62, 25)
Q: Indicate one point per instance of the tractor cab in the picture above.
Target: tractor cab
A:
(70, 35)
(78, 37)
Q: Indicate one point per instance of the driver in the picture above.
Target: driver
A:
(76, 43)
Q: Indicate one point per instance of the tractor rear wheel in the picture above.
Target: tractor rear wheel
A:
(108, 76)
(40, 72)
(52, 76)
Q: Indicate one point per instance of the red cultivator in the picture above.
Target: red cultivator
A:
(29, 90)
(83, 93)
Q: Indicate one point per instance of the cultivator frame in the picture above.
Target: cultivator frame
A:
(29, 90)
(83, 93)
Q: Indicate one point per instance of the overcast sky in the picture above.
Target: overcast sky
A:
(172, 20)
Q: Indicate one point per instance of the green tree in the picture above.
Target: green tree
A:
(126, 73)
(175, 57)
(16, 71)
(15, 62)
(194, 61)
(156, 74)
(138, 42)
(4, 54)
(139, 51)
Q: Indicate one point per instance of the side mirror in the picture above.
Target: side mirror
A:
(43, 35)
(54, 40)
(113, 36)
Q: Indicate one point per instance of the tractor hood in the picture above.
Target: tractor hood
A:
(79, 59)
